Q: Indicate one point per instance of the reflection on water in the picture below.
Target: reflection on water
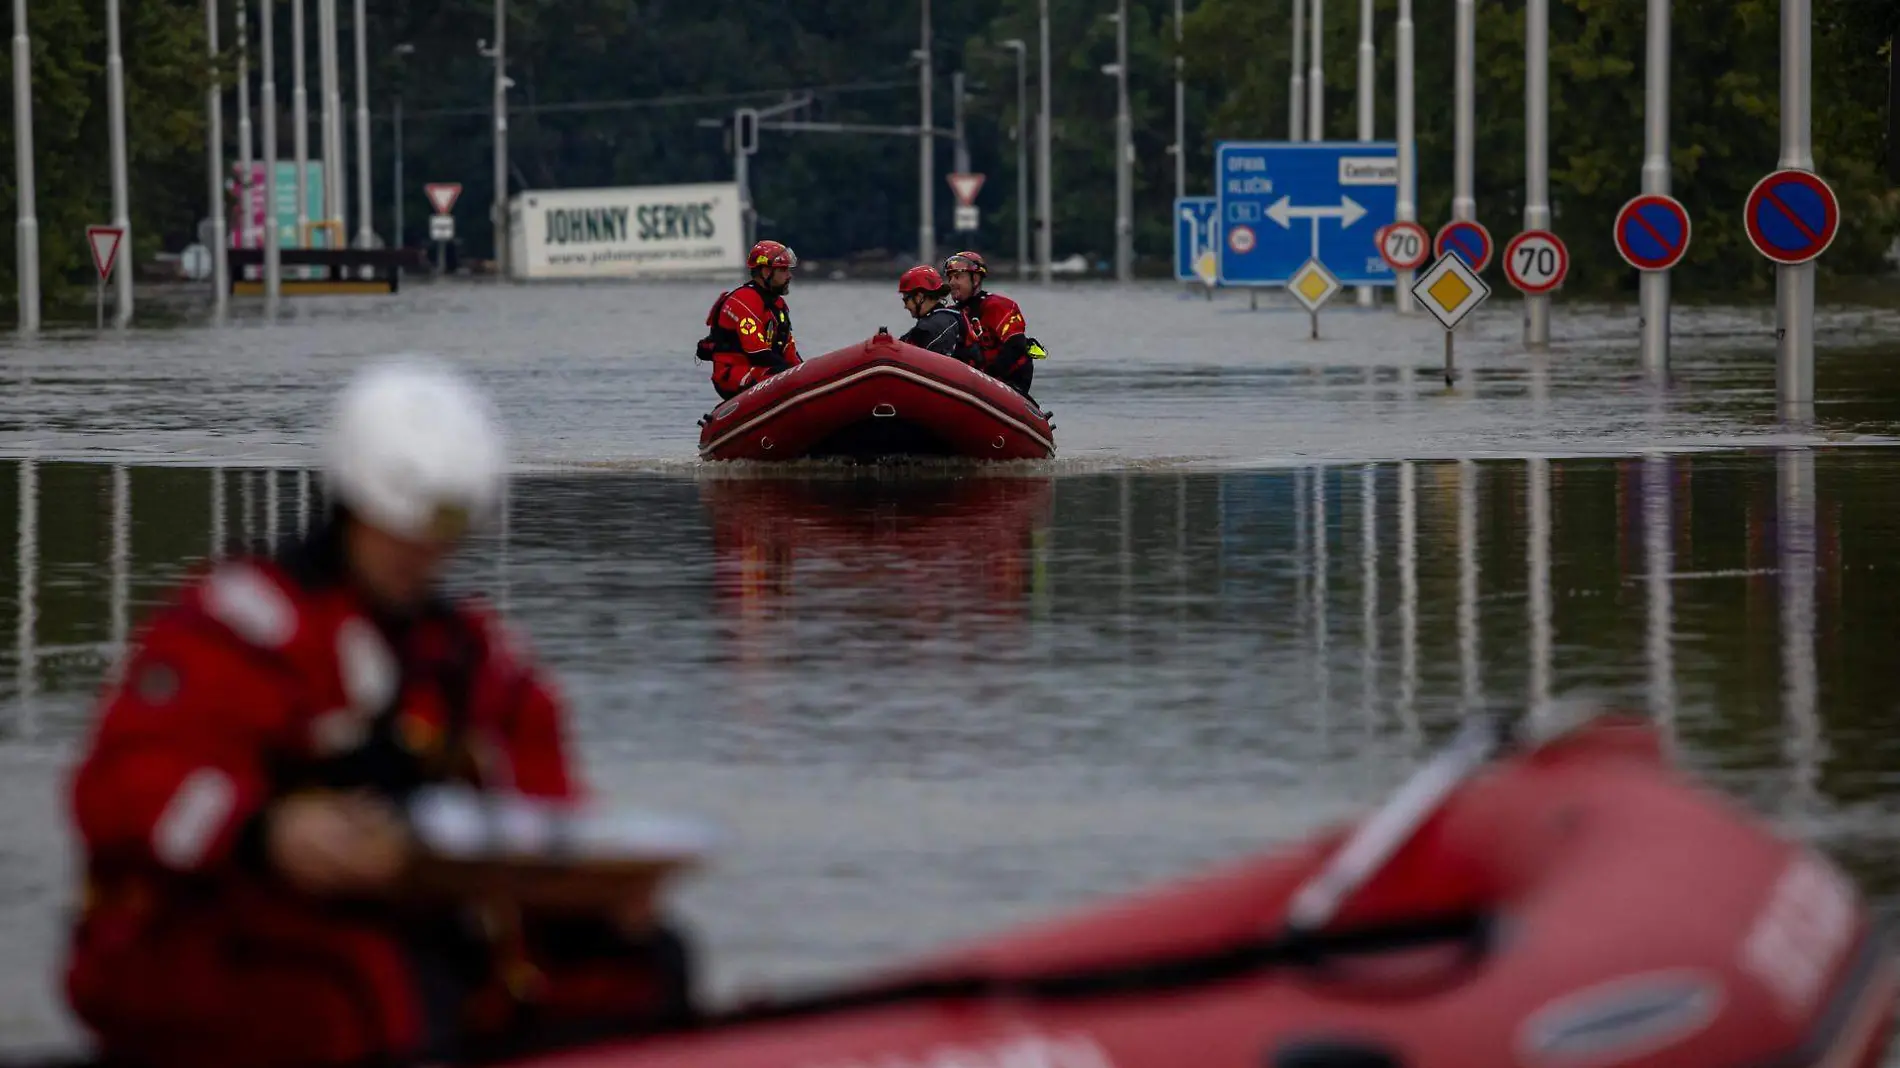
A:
(933, 704)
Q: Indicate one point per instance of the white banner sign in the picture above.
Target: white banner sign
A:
(637, 232)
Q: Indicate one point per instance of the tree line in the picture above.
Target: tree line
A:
(619, 92)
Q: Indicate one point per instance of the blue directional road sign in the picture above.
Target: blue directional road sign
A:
(1282, 203)
(1196, 235)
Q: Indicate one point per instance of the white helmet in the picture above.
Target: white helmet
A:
(415, 450)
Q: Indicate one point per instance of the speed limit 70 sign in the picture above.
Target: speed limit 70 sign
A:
(1405, 246)
(1536, 261)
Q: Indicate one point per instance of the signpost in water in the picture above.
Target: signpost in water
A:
(1451, 289)
(104, 242)
(442, 197)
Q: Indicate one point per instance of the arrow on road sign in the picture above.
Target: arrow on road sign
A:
(965, 187)
(1347, 211)
(105, 247)
(442, 195)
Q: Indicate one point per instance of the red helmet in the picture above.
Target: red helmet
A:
(767, 255)
(966, 261)
(922, 278)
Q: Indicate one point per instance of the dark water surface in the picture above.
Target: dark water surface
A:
(931, 705)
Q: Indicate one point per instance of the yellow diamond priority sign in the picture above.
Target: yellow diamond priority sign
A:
(1313, 285)
(1450, 290)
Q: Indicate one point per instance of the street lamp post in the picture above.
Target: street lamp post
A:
(26, 226)
(1021, 48)
(1045, 221)
(214, 162)
(402, 52)
(926, 151)
(300, 123)
(247, 160)
(499, 209)
(364, 231)
(1180, 111)
(121, 195)
(1124, 178)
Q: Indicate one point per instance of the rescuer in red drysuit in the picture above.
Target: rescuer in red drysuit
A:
(1004, 349)
(749, 335)
(237, 806)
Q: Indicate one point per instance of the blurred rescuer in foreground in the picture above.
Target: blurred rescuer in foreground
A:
(940, 327)
(749, 335)
(1004, 348)
(239, 803)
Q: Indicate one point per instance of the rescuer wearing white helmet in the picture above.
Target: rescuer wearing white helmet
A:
(415, 457)
(244, 783)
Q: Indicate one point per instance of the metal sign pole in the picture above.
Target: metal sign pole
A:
(365, 232)
(26, 224)
(1794, 283)
(214, 149)
(1537, 154)
(1045, 221)
(121, 197)
(273, 269)
(1296, 93)
(300, 119)
(1408, 204)
(1367, 296)
(1464, 206)
(1655, 284)
(926, 158)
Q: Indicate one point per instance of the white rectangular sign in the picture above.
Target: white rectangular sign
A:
(634, 232)
(441, 227)
(967, 218)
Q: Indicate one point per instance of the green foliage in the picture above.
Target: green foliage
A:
(676, 63)
(1724, 116)
(166, 72)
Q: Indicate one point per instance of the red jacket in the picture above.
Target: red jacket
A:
(749, 338)
(1001, 340)
(264, 678)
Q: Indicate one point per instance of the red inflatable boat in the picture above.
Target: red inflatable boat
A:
(875, 399)
(1568, 903)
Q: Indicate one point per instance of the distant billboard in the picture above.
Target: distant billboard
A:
(652, 231)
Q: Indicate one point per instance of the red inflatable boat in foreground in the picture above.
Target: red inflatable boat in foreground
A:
(875, 399)
(1563, 901)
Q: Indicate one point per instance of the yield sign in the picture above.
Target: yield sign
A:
(965, 187)
(105, 247)
(442, 195)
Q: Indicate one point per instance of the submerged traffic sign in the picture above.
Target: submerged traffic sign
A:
(1283, 203)
(104, 242)
(1196, 222)
(1652, 232)
(442, 195)
(1450, 289)
(1313, 285)
(1469, 239)
(965, 186)
(1405, 246)
(1536, 261)
(1792, 216)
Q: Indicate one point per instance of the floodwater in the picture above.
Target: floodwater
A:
(1263, 576)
